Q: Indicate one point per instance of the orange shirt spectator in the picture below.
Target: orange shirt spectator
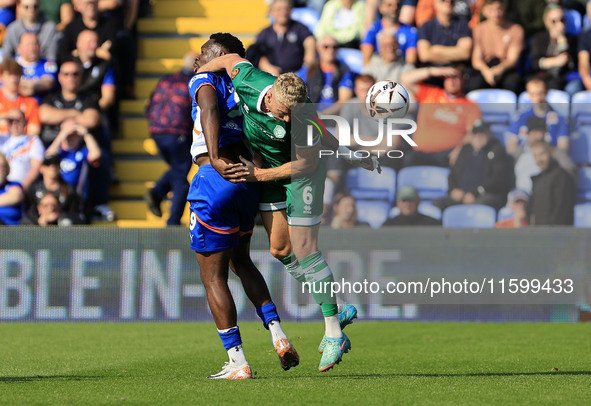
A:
(11, 99)
(442, 121)
(426, 11)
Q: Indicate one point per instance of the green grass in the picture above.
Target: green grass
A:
(390, 363)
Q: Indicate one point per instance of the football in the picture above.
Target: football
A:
(387, 99)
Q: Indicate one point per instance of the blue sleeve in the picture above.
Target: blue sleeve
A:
(516, 123)
(372, 35)
(201, 79)
(109, 78)
(347, 81)
(302, 73)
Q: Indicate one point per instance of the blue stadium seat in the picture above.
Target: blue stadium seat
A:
(580, 109)
(497, 105)
(366, 185)
(505, 213)
(583, 215)
(469, 216)
(573, 21)
(584, 185)
(580, 145)
(352, 58)
(425, 208)
(373, 212)
(430, 181)
(306, 16)
(558, 99)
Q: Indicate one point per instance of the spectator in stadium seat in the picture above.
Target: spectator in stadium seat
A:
(342, 20)
(468, 10)
(345, 212)
(50, 213)
(525, 164)
(98, 77)
(10, 98)
(407, 201)
(497, 48)
(169, 116)
(69, 103)
(285, 45)
(531, 16)
(330, 83)
(406, 35)
(77, 149)
(88, 18)
(52, 182)
(517, 201)
(482, 174)
(39, 75)
(552, 199)
(60, 12)
(24, 152)
(556, 124)
(445, 116)
(388, 64)
(12, 196)
(554, 53)
(405, 16)
(444, 39)
(31, 20)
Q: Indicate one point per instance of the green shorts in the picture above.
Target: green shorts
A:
(302, 197)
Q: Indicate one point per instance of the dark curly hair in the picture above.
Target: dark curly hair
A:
(232, 44)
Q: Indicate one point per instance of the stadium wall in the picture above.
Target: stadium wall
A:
(111, 274)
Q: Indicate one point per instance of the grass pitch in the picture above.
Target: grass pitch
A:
(390, 363)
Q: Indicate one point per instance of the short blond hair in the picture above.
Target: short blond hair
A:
(289, 90)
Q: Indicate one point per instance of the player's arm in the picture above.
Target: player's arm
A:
(305, 163)
(226, 62)
(207, 100)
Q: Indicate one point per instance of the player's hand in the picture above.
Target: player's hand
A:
(234, 173)
(250, 176)
(370, 163)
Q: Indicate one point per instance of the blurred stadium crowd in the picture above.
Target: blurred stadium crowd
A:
(495, 82)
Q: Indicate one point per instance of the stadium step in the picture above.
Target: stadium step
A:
(135, 107)
(203, 26)
(134, 128)
(144, 87)
(175, 47)
(135, 146)
(210, 8)
(138, 210)
(139, 170)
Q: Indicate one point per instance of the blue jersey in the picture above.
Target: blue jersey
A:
(73, 167)
(406, 35)
(231, 130)
(37, 70)
(556, 125)
(10, 215)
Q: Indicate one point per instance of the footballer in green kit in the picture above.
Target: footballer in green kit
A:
(293, 176)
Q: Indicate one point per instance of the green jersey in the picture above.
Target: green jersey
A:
(273, 140)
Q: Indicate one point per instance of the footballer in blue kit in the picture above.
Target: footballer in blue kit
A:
(222, 212)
